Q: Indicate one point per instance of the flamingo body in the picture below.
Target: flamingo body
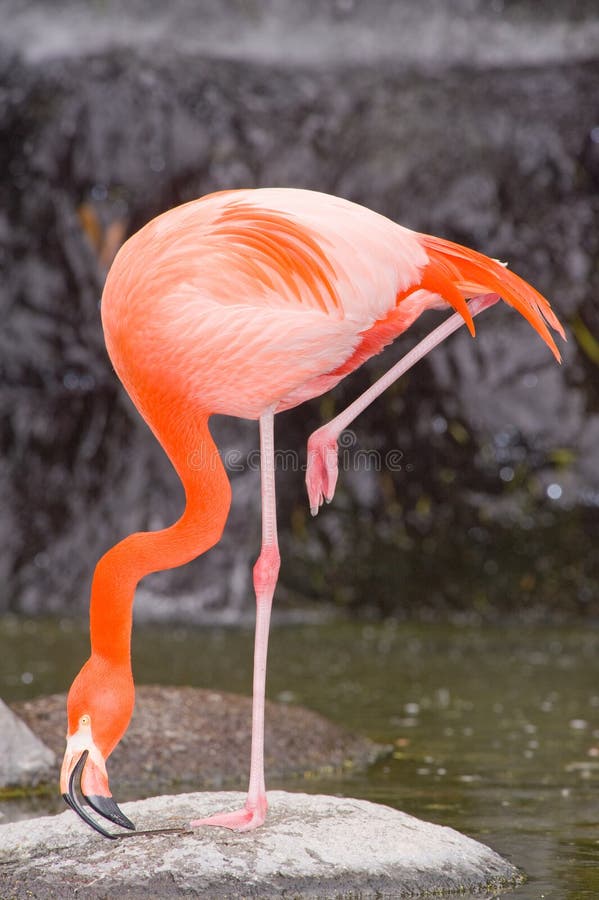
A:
(266, 288)
(247, 303)
(253, 298)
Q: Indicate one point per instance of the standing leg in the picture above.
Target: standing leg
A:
(266, 572)
(322, 466)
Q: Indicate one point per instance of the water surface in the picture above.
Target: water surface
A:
(495, 729)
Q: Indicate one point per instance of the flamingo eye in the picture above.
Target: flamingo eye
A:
(85, 720)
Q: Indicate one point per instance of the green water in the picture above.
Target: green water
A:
(496, 730)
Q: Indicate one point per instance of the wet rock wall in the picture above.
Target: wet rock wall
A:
(474, 483)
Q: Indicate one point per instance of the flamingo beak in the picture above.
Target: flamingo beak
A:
(84, 773)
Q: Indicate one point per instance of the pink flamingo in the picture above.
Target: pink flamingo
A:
(247, 303)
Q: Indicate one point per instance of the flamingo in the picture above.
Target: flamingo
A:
(247, 303)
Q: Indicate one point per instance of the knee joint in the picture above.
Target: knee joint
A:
(266, 569)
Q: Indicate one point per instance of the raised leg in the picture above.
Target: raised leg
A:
(266, 571)
(322, 465)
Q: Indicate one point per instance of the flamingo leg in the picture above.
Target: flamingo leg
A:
(322, 464)
(266, 571)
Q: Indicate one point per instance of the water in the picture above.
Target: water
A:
(495, 729)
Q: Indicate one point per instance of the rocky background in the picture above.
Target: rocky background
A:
(478, 121)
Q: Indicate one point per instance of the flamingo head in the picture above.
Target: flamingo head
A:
(99, 705)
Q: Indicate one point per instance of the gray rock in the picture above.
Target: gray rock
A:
(208, 742)
(311, 32)
(311, 846)
(24, 759)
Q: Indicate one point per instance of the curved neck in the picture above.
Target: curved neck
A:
(207, 494)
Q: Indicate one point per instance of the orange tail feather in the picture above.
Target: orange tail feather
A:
(456, 272)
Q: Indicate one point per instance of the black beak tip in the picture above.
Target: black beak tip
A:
(108, 808)
(103, 805)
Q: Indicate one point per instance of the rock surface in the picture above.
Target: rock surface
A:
(311, 846)
(200, 739)
(311, 32)
(24, 759)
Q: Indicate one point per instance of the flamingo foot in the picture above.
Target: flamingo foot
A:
(245, 819)
(322, 468)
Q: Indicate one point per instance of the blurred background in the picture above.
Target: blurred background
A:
(477, 121)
